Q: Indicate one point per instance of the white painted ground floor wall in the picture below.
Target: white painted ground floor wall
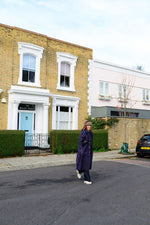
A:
(33, 104)
(25, 95)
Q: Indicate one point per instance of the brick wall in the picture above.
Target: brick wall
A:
(135, 128)
(10, 64)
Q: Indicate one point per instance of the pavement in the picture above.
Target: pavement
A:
(47, 160)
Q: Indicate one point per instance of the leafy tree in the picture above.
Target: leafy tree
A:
(139, 67)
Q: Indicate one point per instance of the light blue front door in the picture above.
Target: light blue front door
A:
(26, 124)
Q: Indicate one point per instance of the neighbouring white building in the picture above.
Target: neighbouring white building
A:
(110, 85)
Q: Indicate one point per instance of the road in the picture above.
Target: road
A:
(48, 196)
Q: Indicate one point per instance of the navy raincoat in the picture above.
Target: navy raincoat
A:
(85, 151)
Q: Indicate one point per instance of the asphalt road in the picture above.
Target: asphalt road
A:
(120, 195)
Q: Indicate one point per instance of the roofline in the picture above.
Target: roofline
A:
(119, 66)
(43, 35)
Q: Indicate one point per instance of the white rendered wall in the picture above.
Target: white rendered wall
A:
(114, 75)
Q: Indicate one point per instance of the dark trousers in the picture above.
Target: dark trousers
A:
(86, 174)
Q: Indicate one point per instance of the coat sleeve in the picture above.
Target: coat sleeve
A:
(91, 140)
(81, 139)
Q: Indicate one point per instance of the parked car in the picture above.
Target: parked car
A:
(143, 146)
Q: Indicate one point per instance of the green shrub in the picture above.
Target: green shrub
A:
(100, 123)
(11, 143)
(66, 141)
(100, 139)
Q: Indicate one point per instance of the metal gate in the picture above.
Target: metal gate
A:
(37, 141)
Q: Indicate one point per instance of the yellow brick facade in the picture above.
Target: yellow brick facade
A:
(10, 66)
(135, 129)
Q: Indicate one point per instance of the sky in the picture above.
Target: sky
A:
(118, 31)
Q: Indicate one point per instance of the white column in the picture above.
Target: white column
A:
(54, 114)
(14, 115)
(45, 118)
(58, 122)
(69, 121)
(75, 118)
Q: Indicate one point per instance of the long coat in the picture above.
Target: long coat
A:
(85, 151)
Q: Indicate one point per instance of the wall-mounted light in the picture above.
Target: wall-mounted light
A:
(3, 100)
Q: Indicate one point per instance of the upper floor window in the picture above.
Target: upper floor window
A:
(122, 92)
(30, 56)
(65, 75)
(66, 71)
(104, 90)
(29, 68)
(146, 96)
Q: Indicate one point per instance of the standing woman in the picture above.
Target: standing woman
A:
(85, 153)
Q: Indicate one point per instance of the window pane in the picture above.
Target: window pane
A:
(67, 81)
(120, 90)
(146, 138)
(31, 76)
(144, 94)
(65, 69)
(29, 64)
(62, 68)
(64, 109)
(32, 62)
(63, 125)
(62, 81)
(25, 61)
(106, 89)
(25, 76)
(147, 94)
(64, 116)
(124, 91)
(101, 91)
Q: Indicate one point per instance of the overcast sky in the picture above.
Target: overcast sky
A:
(118, 31)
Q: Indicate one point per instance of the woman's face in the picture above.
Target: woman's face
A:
(89, 128)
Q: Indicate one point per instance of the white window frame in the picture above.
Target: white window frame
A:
(104, 90)
(122, 93)
(146, 96)
(69, 120)
(67, 101)
(71, 59)
(36, 51)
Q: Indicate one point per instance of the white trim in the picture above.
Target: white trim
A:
(90, 89)
(119, 68)
(71, 59)
(59, 100)
(37, 51)
(1, 90)
(27, 95)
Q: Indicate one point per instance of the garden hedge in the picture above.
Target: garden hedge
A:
(11, 143)
(66, 141)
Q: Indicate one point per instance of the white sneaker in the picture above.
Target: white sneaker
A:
(87, 182)
(78, 174)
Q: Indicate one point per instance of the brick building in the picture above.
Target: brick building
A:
(43, 82)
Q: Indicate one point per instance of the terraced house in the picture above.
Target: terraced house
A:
(43, 82)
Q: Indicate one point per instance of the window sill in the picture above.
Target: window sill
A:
(29, 84)
(105, 98)
(65, 89)
(146, 102)
(122, 100)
